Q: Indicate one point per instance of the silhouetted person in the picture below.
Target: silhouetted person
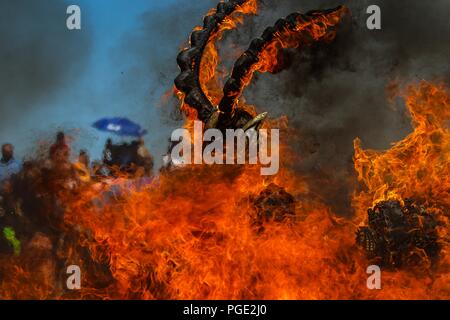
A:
(59, 151)
(145, 157)
(8, 165)
(108, 153)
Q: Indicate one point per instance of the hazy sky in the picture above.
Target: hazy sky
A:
(101, 71)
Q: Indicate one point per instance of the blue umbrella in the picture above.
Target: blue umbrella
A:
(120, 126)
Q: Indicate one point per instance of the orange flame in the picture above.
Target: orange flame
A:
(319, 27)
(210, 77)
(418, 166)
(191, 234)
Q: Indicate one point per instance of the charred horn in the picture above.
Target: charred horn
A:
(189, 60)
(296, 23)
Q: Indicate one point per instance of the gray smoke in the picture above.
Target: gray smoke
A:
(332, 94)
(335, 93)
(151, 51)
(38, 55)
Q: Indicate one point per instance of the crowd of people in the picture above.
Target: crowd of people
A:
(128, 158)
(30, 190)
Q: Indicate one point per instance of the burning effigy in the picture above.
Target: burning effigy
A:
(213, 231)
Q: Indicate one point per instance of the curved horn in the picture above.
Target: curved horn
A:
(189, 60)
(293, 31)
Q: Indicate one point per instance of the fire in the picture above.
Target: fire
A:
(191, 234)
(210, 77)
(194, 233)
(417, 167)
(318, 28)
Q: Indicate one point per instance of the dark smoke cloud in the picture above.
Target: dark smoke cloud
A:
(150, 51)
(333, 94)
(38, 55)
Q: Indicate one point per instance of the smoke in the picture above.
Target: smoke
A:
(38, 56)
(335, 93)
(150, 51)
(152, 48)
(331, 94)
